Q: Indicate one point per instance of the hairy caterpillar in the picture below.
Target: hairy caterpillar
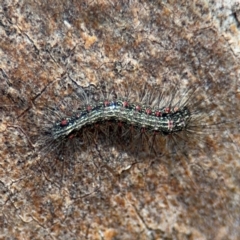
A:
(111, 126)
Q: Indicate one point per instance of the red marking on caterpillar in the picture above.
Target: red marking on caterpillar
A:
(167, 110)
(106, 103)
(125, 104)
(138, 108)
(158, 113)
(89, 108)
(63, 123)
(170, 125)
(148, 111)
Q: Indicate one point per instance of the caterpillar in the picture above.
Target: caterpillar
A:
(107, 128)
(118, 109)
